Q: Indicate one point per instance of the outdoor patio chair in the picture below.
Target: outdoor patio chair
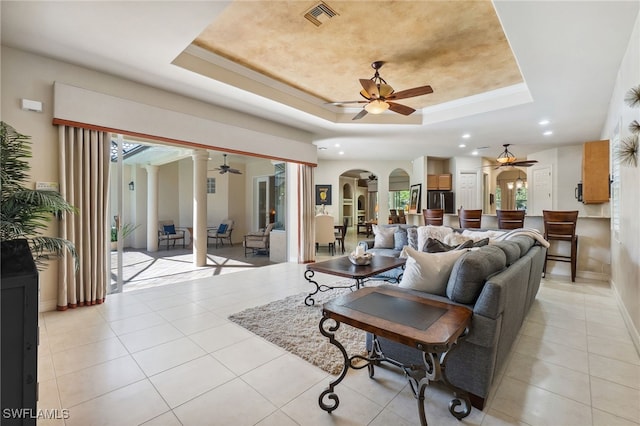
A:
(221, 232)
(257, 242)
(168, 233)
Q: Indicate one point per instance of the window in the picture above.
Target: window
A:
(521, 198)
(498, 198)
(399, 199)
(211, 185)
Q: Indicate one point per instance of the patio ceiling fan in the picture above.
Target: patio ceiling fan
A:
(380, 96)
(227, 169)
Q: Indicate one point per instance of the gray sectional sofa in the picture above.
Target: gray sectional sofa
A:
(499, 282)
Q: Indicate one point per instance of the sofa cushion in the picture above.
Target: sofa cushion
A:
(400, 239)
(510, 248)
(524, 242)
(383, 236)
(470, 272)
(428, 272)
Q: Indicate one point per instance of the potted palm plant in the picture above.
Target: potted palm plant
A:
(26, 213)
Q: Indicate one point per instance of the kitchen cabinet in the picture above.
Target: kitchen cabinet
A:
(595, 172)
(441, 182)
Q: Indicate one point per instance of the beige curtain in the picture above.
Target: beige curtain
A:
(84, 182)
(306, 212)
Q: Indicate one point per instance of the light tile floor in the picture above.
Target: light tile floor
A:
(168, 355)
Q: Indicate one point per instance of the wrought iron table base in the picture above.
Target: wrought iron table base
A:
(359, 283)
(434, 358)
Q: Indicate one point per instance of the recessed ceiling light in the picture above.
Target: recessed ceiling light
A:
(548, 133)
(543, 122)
(466, 136)
(462, 145)
(341, 153)
(475, 152)
(337, 145)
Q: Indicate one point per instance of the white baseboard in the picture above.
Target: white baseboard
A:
(633, 331)
(593, 275)
(47, 305)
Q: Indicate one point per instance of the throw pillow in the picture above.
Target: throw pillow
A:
(470, 273)
(400, 239)
(383, 236)
(428, 272)
(222, 228)
(412, 237)
(436, 246)
(437, 232)
(169, 229)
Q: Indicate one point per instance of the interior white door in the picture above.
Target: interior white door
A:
(541, 191)
(468, 191)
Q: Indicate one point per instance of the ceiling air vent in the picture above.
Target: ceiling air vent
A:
(320, 14)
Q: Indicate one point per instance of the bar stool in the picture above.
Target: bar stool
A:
(469, 218)
(510, 219)
(433, 217)
(561, 226)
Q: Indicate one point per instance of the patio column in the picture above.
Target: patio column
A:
(152, 208)
(200, 157)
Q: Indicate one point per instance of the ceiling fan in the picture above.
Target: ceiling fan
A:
(506, 158)
(380, 96)
(224, 168)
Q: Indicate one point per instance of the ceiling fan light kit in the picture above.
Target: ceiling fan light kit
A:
(376, 107)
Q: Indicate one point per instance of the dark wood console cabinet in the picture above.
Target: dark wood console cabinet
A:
(19, 339)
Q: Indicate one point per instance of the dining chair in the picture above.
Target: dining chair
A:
(341, 232)
(433, 217)
(561, 226)
(469, 218)
(325, 232)
(510, 219)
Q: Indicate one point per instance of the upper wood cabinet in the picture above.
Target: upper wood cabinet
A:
(441, 182)
(595, 172)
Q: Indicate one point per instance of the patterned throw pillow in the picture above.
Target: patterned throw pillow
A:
(222, 228)
(412, 237)
(169, 229)
(383, 236)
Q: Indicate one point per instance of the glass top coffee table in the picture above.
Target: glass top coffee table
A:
(431, 326)
(342, 267)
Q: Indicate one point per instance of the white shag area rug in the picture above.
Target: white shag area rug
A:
(293, 326)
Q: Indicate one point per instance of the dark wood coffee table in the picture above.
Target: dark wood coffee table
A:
(342, 267)
(430, 326)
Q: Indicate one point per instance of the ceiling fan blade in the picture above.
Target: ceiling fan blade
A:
(360, 114)
(234, 171)
(524, 163)
(400, 109)
(346, 102)
(223, 171)
(410, 93)
(370, 87)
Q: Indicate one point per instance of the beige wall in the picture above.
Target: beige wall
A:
(625, 242)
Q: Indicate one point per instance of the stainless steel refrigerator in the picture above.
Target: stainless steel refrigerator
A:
(441, 200)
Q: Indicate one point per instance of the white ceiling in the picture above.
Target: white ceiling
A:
(568, 53)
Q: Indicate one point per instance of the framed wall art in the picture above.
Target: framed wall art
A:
(323, 195)
(414, 200)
